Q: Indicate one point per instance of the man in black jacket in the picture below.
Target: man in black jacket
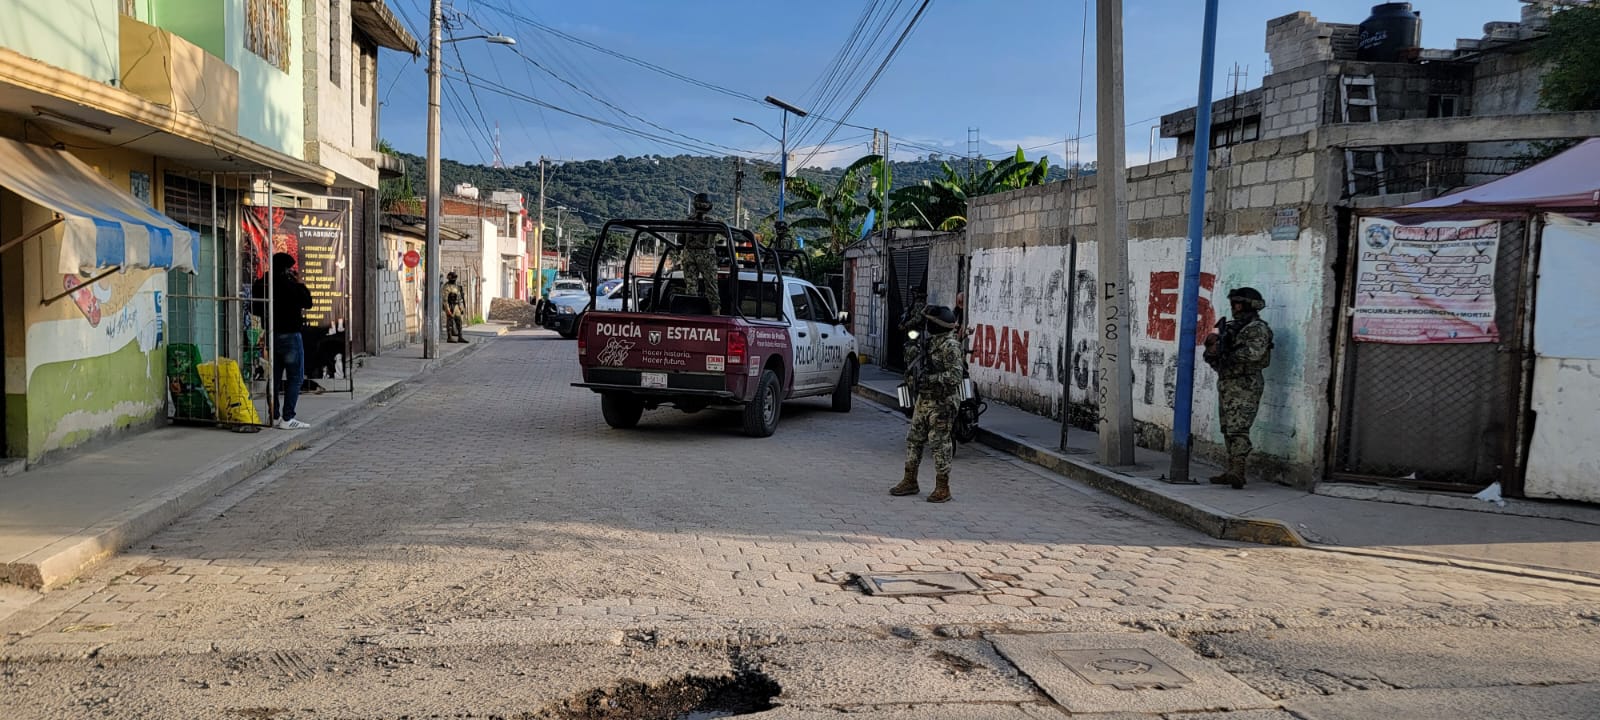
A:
(290, 300)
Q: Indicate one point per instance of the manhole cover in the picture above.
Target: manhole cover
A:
(1123, 668)
(934, 583)
(1133, 673)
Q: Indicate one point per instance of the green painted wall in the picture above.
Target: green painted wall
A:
(79, 36)
(69, 403)
(271, 101)
(202, 23)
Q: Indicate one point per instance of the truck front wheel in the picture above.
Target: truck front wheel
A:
(621, 411)
(761, 413)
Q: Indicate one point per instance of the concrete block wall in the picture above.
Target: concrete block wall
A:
(1294, 101)
(1021, 288)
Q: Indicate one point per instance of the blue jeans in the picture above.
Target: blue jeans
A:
(288, 359)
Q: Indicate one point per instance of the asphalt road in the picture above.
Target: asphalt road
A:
(486, 546)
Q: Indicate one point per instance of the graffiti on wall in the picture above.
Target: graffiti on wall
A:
(1019, 301)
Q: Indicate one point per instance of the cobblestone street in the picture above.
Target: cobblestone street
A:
(494, 505)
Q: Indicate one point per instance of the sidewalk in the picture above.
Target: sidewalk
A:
(60, 519)
(1564, 544)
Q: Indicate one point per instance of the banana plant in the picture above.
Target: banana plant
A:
(942, 204)
(838, 210)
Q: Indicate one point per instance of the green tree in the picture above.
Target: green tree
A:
(398, 190)
(1572, 53)
(840, 208)
(941, 204)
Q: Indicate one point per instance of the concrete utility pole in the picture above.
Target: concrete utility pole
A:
(1111, 224)
(738, 189)
(541, 224)
(431, 308)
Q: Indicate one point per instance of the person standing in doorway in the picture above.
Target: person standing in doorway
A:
(937, 392)
(290, 300)
(1239, 350)
(455, 305)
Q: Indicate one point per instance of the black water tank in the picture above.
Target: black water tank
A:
(1392, 30)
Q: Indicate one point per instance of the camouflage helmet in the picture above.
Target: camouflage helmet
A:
(1250, 296)
(940, 319)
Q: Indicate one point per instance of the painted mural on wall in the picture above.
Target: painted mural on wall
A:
(1020, 299)
(96, 360)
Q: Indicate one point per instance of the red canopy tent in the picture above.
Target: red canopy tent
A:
(1568, 180)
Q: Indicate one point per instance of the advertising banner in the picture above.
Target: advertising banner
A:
(320, 242)
(1426, 283)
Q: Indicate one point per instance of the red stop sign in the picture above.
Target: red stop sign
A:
(412, 259)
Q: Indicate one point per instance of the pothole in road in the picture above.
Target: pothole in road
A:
(688, 698)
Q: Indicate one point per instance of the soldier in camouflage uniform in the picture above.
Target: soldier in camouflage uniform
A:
(455, 305)
(700, 259)
(1239, 352)
(936, 406)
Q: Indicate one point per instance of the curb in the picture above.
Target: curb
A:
(1211, 521)
(62, 562)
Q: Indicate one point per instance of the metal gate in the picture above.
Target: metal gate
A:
(1439, 416)
(908, 269)
(219, 356)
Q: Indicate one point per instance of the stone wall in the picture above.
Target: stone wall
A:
(1270, 226)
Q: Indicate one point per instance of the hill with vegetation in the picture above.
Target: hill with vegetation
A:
(653, 185)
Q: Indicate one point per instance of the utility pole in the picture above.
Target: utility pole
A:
(1111, 225)
(541, 225)
(738, 189)
(430, 306)
(1189, 304)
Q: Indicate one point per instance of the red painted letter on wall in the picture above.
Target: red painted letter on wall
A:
(1161, 318)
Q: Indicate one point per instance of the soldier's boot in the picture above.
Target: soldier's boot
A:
(941, 489)
(1235, 473)
(908, 482)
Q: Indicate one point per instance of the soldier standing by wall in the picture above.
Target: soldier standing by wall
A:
(936, 406)
(455, 305)
(1239, 351)
(700, 259)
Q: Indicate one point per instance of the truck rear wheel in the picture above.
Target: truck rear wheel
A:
(761, 413)
(621, 411)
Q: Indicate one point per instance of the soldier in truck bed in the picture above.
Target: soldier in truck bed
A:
(699, 261)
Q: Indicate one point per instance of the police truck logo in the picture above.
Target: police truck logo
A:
(655, 337)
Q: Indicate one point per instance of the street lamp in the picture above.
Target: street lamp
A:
(431, 307)
(561, 238)
(691, 199)
(783, 156)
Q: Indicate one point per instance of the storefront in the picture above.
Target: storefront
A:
(85, 264)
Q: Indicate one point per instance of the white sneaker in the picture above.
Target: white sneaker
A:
(293, 424)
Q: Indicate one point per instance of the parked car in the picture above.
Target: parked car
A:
(559, 288)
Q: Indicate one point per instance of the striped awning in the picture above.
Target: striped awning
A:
(104, 225)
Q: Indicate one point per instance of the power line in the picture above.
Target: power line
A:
(697, 147)
(879, 72)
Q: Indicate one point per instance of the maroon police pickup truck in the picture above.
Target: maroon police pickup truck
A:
(775, 337)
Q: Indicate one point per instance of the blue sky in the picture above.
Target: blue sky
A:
(1009, 68)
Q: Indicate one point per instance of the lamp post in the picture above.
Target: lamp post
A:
(783, 155)
(561, 239)
(432, 307)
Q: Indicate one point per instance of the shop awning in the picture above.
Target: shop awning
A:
(1570, 179)
(104, 225)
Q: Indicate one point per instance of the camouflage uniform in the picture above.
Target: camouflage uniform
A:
(935, 412)
(455, 303)
(1242, 351)
(700, 270)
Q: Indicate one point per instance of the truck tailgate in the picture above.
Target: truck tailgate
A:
(669, 343)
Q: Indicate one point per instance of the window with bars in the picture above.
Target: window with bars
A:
(335, 49)
(266, 31)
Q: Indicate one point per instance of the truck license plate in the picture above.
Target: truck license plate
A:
(652, 380)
